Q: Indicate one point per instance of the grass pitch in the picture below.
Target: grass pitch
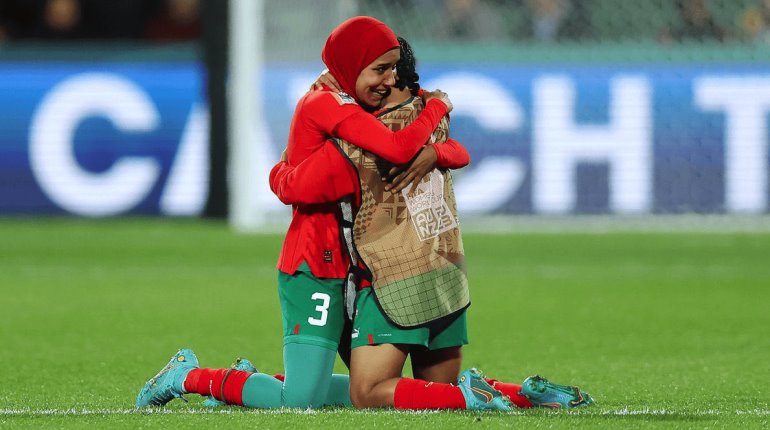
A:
(664, 330)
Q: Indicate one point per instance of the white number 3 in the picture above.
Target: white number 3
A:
(323, 308)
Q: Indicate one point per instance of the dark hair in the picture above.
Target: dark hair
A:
(406, 71)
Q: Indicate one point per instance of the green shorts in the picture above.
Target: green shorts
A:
(371, 327)
(312, 308)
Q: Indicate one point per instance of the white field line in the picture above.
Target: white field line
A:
(154, 411)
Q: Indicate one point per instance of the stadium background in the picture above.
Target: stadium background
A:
(567, 107)
(613, 115)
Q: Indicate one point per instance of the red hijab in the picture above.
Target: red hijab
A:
(353, 45)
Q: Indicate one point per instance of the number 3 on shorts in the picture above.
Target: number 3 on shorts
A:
(323, 308)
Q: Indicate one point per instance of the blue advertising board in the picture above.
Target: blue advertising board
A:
(132, 138)
(98, 140)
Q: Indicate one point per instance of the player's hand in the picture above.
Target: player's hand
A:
(438, 94)
(326, 78)
(399, 177)
(284, 155)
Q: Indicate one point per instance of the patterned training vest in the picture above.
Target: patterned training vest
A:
(411, 245)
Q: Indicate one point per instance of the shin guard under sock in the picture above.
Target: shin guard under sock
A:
(224, 384)
(419, 394)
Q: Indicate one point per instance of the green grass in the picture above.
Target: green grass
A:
(664, 330)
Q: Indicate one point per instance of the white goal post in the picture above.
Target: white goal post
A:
(245, 115)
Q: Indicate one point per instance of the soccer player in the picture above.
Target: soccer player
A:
(435, 350)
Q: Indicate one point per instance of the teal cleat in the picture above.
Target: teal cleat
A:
(479, 395)
(547, 394)
(242, 364)
(168, 383)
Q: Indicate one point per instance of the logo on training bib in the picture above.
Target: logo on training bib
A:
(429, 210)
(344, 98)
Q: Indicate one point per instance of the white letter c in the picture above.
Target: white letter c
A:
(52, 155)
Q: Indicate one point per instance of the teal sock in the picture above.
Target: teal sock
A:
(308, 374)
(339, 391)
(262, 391)
(309, 382)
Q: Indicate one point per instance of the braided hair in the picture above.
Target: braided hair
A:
(406, 68)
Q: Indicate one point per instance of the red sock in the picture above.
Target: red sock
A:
(512, 391)
(419, 394)
(208, 382)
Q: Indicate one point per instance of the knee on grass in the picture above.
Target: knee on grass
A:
(372, 395)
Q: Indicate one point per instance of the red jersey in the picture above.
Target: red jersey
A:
(313, 234)
(299, 185)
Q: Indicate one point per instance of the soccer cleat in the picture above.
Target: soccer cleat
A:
(479, 395)
(240, 364)
(547, 394)
(168, 383)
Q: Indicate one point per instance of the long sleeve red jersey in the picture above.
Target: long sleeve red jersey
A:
(313, 234)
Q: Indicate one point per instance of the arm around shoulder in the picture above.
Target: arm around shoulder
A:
(323, 177)
(451, 154)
